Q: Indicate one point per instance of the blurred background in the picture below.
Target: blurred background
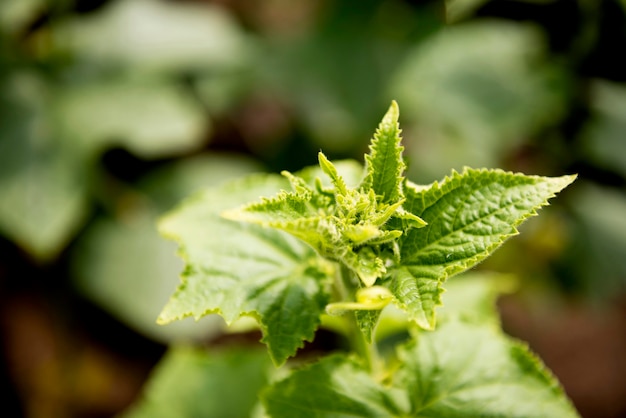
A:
(112, 111)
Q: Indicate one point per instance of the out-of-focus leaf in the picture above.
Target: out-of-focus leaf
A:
(337, 75)
(604, 139)
(43, 180)
(474, 92)
(597, 257)
(155, 36)
(191, 383)
(459, 9)
(14, 14)
(150, 119)
(123, 264)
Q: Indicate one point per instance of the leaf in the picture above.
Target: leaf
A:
(336, 386)
(120, 255)
(472, 93)
(460, 370)
(469, 216)
(384, 163)
(150, 118)
(603, 136)
(472, 370)
(155, 37)
(367, 320)
(44, 181)
(191, 383)
(239, 269)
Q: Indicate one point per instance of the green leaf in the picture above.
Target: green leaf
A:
(44, 180)
(473, 93)
(192, 383)
(236, 269)
(469, 215)
(120, 254)
(336, 386)
(461, 370)
(367, 320)
(472, 370)
(150, 118)
(155, 37)
(384, 163)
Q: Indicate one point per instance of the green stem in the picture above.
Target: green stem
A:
(346, 288)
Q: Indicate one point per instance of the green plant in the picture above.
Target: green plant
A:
(367, 255)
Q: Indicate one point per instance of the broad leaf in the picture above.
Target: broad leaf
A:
(469, 215)
(236, 269)
(151, 36)
(336, 386)
(461, 370)
(472, 370)
(192, 383)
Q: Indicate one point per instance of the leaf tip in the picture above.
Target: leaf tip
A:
(392, 115)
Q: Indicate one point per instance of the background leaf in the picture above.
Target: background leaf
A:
(122, 264)
(192, 383)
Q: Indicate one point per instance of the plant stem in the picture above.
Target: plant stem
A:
(368, 351)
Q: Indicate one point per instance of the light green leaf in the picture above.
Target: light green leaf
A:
(154, 36)
(461, 370)
(15, 14)
(149, 118)
(384, 163)
(469, 215)
(236, 269)
(193, 383)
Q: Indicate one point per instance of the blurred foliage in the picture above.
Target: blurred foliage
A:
(232, 378)
(113, 110)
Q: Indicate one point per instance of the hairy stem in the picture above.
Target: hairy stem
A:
(346, 286)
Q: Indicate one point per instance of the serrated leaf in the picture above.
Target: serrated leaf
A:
(472, 370)
(469, 215)
(236, 269)
(461, 370)
(384, 163)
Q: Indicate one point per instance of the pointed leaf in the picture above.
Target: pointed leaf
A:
(469, 215)
(384, 163)
(236, 269)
